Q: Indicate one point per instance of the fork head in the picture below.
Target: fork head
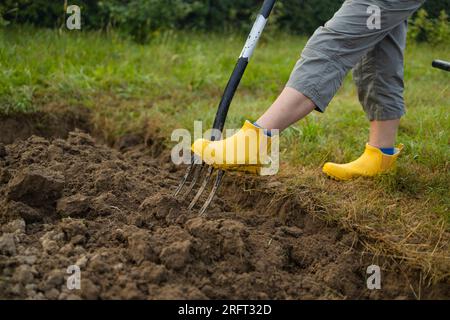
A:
(195, 181)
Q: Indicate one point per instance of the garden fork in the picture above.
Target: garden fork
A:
(441, 64)
(197, 168)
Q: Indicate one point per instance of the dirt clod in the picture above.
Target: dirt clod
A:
(2, 151)
(36, 187)
(15, 226)
(7, 244)
(77, 205)
(27, 213)
(89, 290)
(176, 255)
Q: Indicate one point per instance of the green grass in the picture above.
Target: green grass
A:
(179, 77)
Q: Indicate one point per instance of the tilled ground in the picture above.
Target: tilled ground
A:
(74, 202)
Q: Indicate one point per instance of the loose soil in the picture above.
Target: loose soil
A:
(111, 212)
(58, 121)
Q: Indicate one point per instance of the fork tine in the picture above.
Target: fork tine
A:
(216, 186)
(186, 176)
(197, 174)
(202, 188)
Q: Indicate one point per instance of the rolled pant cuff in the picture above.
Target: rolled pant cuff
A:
(380, 116)
(310, 93)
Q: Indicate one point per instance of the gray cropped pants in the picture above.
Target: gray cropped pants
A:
(368, 36)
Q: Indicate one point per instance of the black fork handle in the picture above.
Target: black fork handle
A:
(440, 64)
(239, 69)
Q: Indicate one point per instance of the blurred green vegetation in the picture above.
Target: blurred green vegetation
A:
(432, 31)
(142, 19)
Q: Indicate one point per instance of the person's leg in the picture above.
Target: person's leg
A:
(379, 78)
(383, 133)
(330, 53)
(288, 108)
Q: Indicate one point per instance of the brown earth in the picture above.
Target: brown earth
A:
(57, 121)
(72, 201)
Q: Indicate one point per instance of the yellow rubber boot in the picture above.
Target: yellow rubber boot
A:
(247, 150)
(371, 163)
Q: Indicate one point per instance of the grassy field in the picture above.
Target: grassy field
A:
(178, 78)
